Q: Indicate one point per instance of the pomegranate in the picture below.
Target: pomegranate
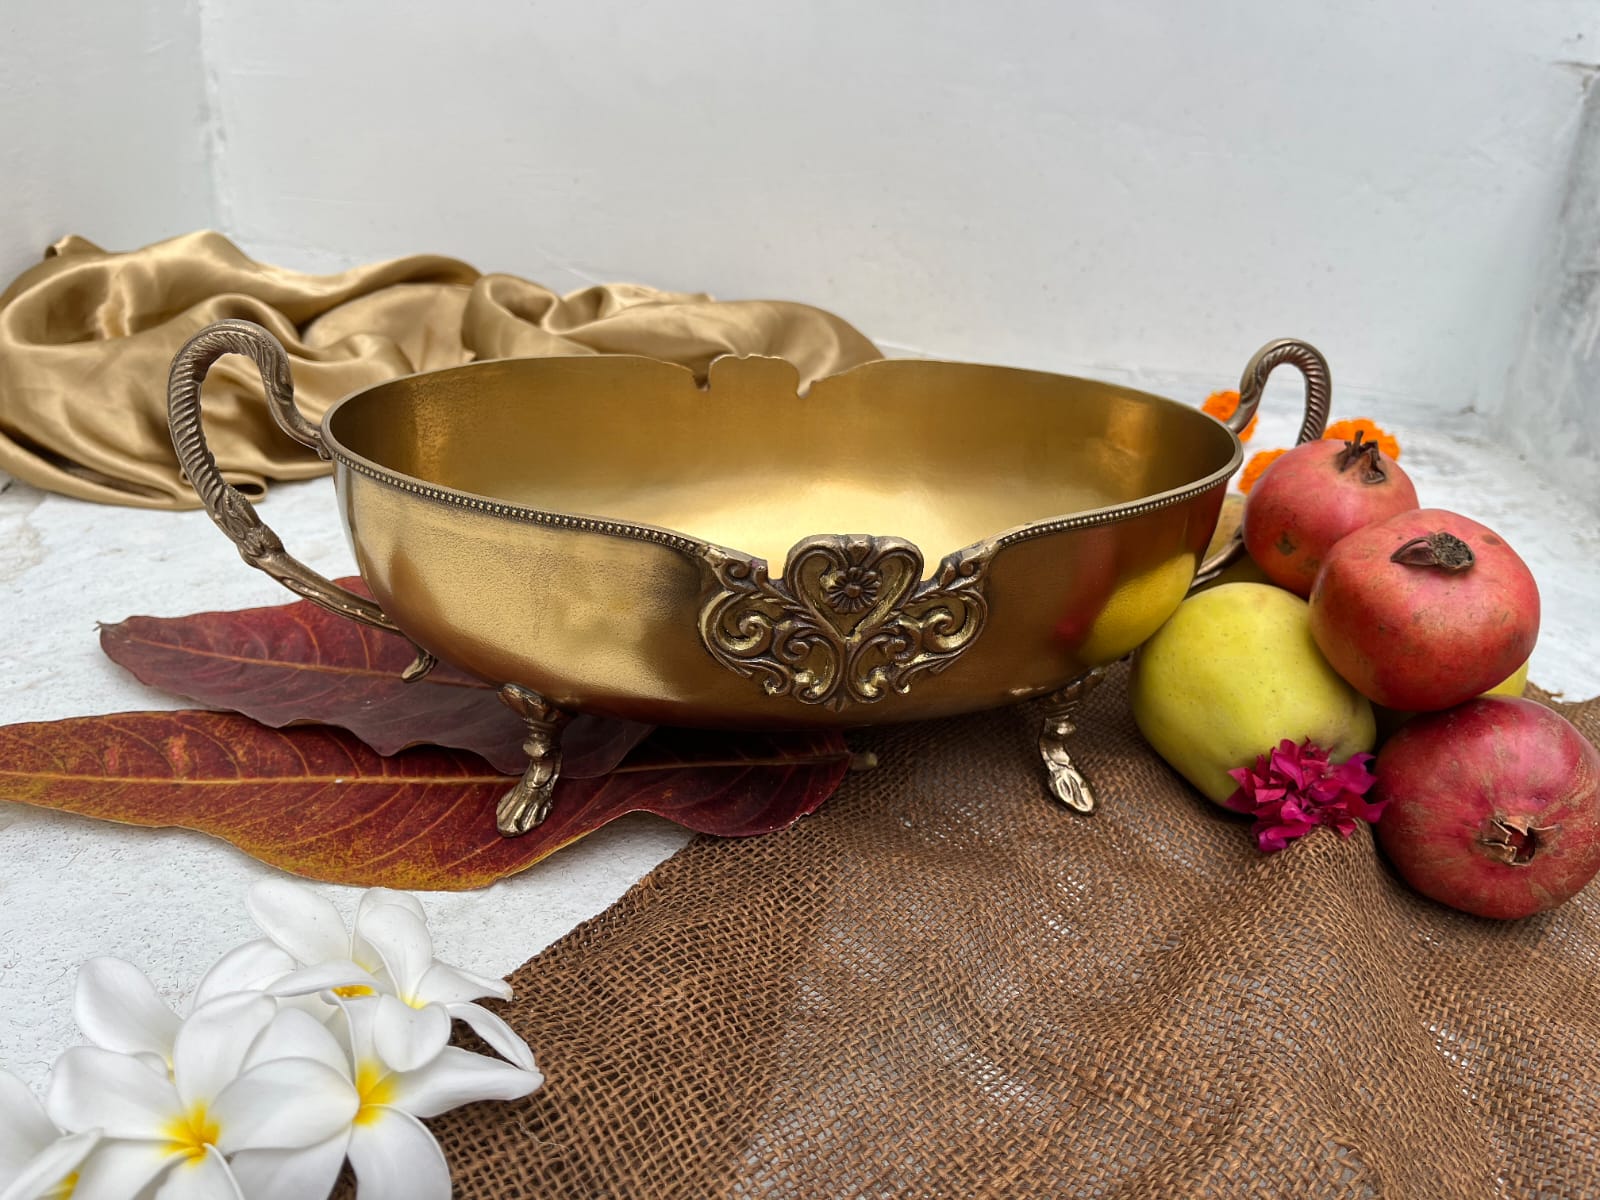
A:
(1313, 496)
(1493, 807)
(1424, 610)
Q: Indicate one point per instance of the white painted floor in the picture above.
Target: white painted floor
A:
(172, 901)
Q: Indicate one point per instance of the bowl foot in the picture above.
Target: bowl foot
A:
(527, 804)
(420, 666)
(1067, 783)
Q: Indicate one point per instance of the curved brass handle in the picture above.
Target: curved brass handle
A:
(1319, 385)
(1319, 396)
(228, 507)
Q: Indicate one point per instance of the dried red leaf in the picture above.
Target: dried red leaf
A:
(317, 802)
(296, 664)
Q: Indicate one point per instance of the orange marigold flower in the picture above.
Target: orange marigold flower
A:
(1223, 405)
(1259, 462)
(1345, 431)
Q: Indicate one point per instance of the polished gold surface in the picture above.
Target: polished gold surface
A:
(617, 538)
(908, 539)
(943, 455)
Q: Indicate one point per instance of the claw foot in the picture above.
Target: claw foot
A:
(1066, 782)
(528, 803)
(420, 666)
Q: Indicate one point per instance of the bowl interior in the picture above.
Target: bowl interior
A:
(943, 454)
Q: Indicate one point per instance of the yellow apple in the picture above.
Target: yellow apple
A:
(1233, 673)
(1514, 685)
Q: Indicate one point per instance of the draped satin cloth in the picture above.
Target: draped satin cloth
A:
(86, 338)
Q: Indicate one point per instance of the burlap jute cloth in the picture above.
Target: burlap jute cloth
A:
(944, 985)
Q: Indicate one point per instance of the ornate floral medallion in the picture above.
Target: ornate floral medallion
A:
(850, 621)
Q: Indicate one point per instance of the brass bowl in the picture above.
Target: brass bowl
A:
(600, 534)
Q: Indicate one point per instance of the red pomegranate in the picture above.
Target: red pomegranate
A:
(1493, 807)
(1313, 496)
(1424, 610)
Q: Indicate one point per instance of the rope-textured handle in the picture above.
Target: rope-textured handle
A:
(1319, 398)
(229, 507)
(1319, 385)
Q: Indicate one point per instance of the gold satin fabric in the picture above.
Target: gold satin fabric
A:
(86, 338)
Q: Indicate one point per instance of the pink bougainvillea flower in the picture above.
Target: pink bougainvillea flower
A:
(1293, 789)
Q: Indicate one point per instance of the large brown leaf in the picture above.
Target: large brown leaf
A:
(317, 802)
(298, 663)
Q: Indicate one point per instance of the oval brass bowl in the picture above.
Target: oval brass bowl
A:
(909, 539)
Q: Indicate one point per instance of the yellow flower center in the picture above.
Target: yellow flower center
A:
(374, 1088)
(192, 1134)
(354, 990)
(64, 1189)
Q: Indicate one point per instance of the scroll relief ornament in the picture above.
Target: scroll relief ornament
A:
(850, 621)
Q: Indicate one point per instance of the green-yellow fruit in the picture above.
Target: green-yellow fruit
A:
(1513, 685)
(1390, 719)
(1233, 673)
(1244, 570)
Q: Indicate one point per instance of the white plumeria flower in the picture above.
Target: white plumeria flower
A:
(394, 1155)
(388, 955)
(36, 1161)
(247, 968)
(178, 1131)
(308, 947)
(117, 1008)
(422, 985)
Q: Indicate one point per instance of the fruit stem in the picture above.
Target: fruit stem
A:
(1444, 551)
(1366, 454)
(1511, 840)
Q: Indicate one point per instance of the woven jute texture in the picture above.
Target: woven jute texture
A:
(944, 985)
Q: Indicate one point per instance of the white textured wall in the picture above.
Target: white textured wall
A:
(1109, 186)
(103, 124)
(1552, 408)
(1086, 185)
